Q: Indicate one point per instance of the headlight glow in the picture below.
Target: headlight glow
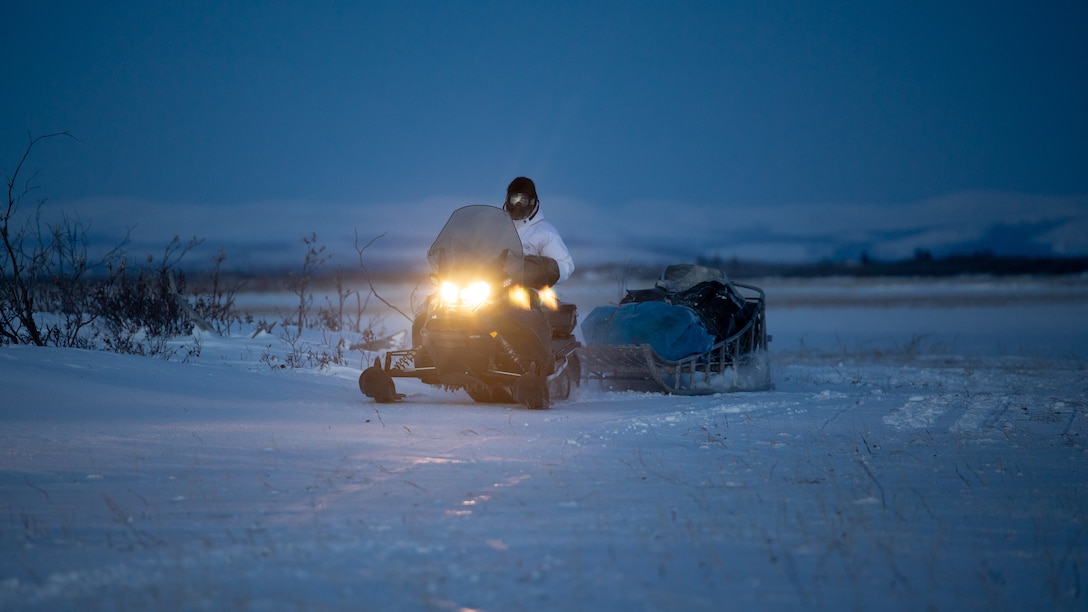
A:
(548, 298)
(472, 296)
(448, 292)
(475, 294)
(519, 296)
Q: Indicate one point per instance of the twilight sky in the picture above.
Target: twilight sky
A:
(765, 129)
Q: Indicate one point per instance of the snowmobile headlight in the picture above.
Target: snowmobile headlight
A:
(475, 294)
(548, 298)
(472, 296)
(519, 296)
(449, 292)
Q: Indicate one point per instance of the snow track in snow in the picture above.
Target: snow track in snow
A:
(873, 473)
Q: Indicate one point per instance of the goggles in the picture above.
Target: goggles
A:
(518, 199)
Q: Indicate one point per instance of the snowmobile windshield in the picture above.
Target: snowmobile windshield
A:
(479, 241)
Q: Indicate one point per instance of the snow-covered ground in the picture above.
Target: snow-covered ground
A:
(925, 447)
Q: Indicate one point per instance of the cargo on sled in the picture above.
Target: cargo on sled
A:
(693, 333)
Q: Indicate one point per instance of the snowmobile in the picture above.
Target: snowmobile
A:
(486, 329)
(695, 332)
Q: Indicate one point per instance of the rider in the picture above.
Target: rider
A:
(547, 260)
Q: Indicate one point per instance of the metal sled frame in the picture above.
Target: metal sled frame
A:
(640, 367)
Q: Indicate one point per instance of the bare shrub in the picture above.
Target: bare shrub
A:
(140, 310)
(28, 255)
(216, 304)
(53, 292)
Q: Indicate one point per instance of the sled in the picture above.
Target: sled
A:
(735, 362)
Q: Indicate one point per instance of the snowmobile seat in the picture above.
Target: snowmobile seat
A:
(563, 320)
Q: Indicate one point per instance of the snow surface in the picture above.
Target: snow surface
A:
(930, 456)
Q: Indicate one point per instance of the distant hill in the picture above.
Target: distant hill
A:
(922, 264)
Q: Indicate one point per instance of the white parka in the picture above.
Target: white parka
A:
(538, 237)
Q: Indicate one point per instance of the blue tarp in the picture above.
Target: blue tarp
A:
(673, 331)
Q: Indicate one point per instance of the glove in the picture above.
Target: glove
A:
(540, 272)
